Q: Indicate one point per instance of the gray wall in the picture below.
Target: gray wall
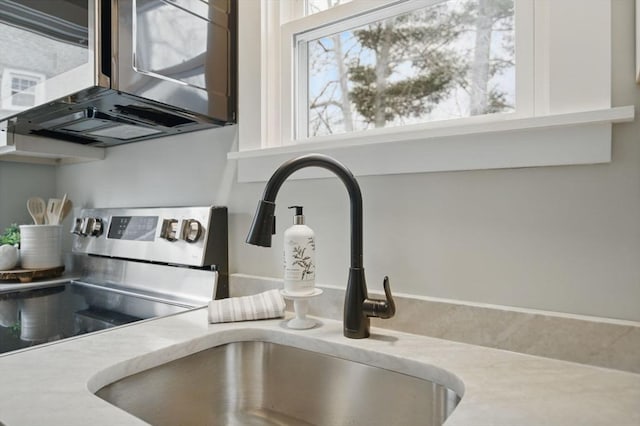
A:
(18, 182)
(556, 238)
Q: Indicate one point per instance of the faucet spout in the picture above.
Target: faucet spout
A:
(357, 307)
(264, 224)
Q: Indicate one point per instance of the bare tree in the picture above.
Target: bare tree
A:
(403, 68)
(344, 84)
(488, 14)
(414, 68)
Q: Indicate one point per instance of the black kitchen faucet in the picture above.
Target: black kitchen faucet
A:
(357, 305)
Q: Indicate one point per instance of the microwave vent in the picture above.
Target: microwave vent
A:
(153, 115)
(64, 136)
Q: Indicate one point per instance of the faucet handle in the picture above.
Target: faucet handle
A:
(381, 308)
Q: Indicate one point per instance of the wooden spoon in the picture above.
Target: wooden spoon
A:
(36, 208)
(58, 212)
(51, 214)
(66, 209)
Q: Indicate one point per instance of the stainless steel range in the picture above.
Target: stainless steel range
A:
(134, 264)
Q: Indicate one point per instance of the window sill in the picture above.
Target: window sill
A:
(552, 140)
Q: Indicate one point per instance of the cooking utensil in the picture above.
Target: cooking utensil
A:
(51, 214)
(59, 210)
(36, 208)
(66, 209)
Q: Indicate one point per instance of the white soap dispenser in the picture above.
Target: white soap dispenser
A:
(299, 257)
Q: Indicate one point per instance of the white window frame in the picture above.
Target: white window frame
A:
(311, 28)
(563, 116)
(8, 74)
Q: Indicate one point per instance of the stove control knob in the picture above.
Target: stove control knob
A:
(77, 226)
(169, 229)
(191, 230)
(96, 227)
(91, 227)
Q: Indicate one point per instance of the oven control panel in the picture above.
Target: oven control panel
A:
(194, 236)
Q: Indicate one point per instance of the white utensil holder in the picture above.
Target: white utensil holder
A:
(40, 246)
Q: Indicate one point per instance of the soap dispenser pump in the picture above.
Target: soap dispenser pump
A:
(299, 256)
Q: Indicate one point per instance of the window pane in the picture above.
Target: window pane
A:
(315, 6)
(22, 84)
(450, 60)
(23, 90)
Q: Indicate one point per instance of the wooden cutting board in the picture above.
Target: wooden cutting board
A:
(27, 275)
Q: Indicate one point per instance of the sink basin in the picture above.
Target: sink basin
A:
(261, 383)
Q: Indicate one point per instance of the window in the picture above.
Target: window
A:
(23, 90)
(20, 89)
(425, 85)
(406, 64)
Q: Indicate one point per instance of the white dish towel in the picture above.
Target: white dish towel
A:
(269, 304)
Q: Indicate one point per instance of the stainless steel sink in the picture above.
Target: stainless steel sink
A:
(260, 383)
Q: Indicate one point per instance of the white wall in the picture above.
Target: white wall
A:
(18, 182)
(555, 238)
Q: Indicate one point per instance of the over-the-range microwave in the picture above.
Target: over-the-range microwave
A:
(107, 72)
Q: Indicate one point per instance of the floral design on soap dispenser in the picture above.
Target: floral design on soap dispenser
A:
(302, 260)
(299, 256)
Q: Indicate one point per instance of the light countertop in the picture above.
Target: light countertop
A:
(54, 384)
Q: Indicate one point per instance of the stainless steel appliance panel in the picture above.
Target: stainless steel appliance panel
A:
(181, 54)
(129, 71)
(134, 263)
(195, 236)
(48, 48)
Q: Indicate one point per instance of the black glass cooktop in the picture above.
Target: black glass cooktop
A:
(30, 318)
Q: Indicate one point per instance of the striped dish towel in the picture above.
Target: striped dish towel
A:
(269, 304)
